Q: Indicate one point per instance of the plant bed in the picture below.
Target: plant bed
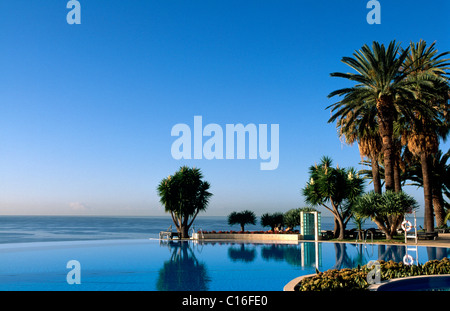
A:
(356, 278)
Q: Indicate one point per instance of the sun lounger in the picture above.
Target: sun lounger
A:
(168, 234)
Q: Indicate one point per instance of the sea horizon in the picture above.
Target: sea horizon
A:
(48, 228)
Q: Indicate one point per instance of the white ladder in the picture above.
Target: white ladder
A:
(406, 226)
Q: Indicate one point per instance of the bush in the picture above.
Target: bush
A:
(356, 278)
(291, 218)
(273, 221)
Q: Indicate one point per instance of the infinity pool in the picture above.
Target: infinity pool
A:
(154, 265)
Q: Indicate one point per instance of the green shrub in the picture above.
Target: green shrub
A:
(356, 278)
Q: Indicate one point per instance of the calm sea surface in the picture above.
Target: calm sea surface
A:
(17, 229)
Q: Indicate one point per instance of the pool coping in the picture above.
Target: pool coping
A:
(442, 241)
(289, 287)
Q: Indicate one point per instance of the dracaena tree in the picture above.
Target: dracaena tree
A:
(334, 188)
(387, 210)
(184, 194)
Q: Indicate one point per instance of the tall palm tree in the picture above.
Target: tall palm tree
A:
(184, 195)
(364, 131)
(440, 172)
(422, 134)
(381, 82)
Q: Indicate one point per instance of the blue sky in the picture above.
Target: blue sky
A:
(87, 110)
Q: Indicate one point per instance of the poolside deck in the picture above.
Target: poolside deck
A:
(442, 241)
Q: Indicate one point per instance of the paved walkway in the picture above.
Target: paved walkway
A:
(442, 241)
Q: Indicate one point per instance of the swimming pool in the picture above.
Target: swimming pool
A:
(153, 265)
(417, 283)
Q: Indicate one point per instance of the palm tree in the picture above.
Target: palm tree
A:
(422, 134)
(336, 189)
(368, 173)
(364, 131)
(440, 176)
(184, 195)
(381, 82)
(242, 218)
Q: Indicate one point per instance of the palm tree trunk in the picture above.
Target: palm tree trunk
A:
(386, 122)
(428, 197)
(397, 179)
(438, 206)
(376, 175)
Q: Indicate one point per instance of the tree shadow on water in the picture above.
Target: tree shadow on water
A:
(183, 271)
(242, 253)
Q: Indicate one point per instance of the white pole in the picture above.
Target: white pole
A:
(316, 226)
(302, 229)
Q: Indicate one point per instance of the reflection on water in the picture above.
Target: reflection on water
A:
(182, 269)
(280, 252)
(190, 262)
(185, 265)
(242, 252)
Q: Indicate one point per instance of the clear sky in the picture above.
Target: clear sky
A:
(86, 110)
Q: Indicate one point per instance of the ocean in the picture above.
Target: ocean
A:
(20, 229)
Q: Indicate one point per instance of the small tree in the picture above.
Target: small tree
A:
(336, 189)
(242, 218)
(291, 218)
(184, 195)
(387, 210)
(273, 221)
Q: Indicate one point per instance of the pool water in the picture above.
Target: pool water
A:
(153, 265)
(422, 283)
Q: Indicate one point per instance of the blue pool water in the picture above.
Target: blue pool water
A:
(422, 283)
(148, 264)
